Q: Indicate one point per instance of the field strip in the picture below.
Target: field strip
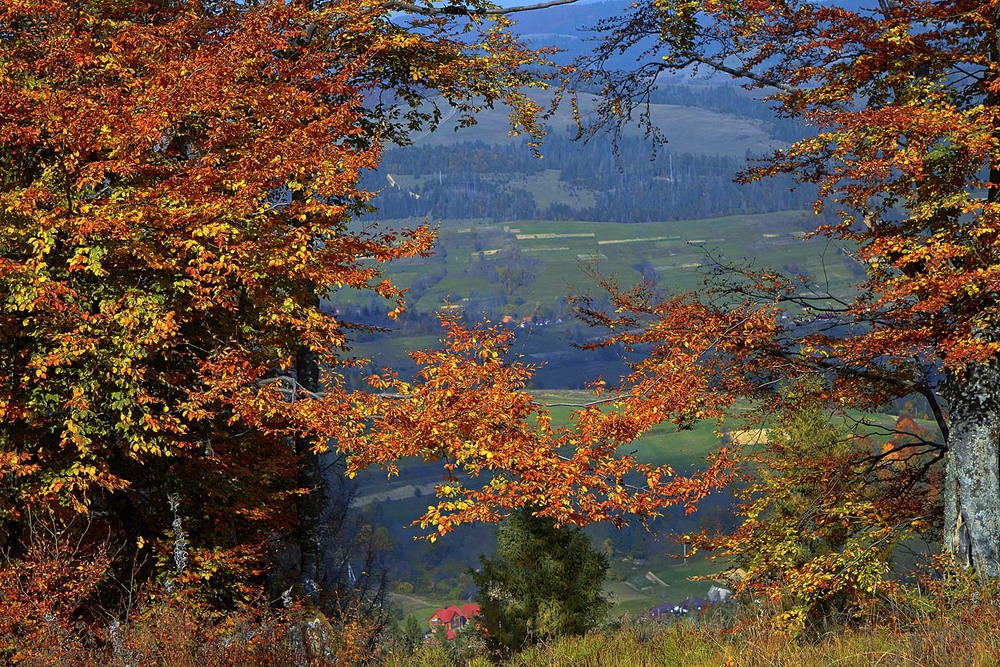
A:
(655, 579)
(528, 237)
(485, 253)
(753, 436)
(668, 267)
(545, 248)
(591, 256)
(651, 238)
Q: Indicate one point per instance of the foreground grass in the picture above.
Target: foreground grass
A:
(697, 648)
(966, 639)
(176, 631)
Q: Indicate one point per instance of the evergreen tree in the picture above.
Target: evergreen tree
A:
(544, 581)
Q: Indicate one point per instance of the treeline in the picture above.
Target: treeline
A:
(470, 156)
(634, 185)
(625, 182)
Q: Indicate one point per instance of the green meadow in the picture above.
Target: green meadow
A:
(558, 257)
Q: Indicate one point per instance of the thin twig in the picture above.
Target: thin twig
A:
(460, 10)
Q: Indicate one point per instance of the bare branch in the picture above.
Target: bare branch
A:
(588, 404)
(460, 10)
(743, 73)
(942, 422)
(291, 388)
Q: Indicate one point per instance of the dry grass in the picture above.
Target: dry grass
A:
(919, 631)
(170, 635)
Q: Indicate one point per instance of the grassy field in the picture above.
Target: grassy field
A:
(639, 593)
(559, 256)
(419, 606)
(631, 598)
(529, 268)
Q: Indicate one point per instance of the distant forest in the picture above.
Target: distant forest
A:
(598, 180)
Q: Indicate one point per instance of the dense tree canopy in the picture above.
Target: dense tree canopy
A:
(178, 186)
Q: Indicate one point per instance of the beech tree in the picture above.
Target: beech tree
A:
(470, 411)
(903, 97)
(177, 190)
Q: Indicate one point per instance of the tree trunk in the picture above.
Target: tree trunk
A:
(972, 484)
(309, 506)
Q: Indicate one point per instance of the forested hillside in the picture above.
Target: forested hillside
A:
(478, 173)
(596, 181)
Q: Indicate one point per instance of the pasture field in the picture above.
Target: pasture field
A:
(529, 268)
(553, 259)
(632, 597)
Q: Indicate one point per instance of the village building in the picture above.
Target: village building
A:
(453, 618)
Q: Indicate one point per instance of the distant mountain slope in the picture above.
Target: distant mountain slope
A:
(571, 27)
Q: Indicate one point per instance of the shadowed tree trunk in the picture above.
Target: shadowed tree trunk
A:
(309, 506)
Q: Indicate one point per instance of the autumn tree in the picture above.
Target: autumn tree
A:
(819, 524)
(469, 411)
(903, 99)
(178, 190)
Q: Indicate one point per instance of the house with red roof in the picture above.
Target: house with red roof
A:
(453, 618)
